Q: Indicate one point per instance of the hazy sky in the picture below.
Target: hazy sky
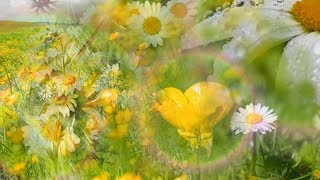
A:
(20, 10)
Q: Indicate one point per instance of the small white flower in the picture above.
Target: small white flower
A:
(254, 118)
(45, 93)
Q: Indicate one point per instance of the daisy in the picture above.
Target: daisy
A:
(182, 9)
(152, 23)
(45, 92)
(255, 118)
(65, 104)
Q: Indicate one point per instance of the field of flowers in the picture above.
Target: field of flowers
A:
(171, 89)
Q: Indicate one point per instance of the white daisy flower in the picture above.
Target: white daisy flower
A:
(182, 9)
(45, 92)
(255, 118)
(152, 23)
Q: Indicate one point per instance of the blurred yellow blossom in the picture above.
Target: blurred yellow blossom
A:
(53, 131)
(15, 135)
(129, 176)
(102, 176)
(34, 159)
(121, 124)
(107, 99)
(316, 174)
(114, 36)
(18, 168)
(182, 177)
(9, 98)
(196, 111)
(68, 142)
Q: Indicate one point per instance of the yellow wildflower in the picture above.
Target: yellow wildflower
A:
(34, 159)
(8, 98)
(122, 123)
(114, 36)
(196, 111)
(106, 98)
(18, 168)
(129, 176)
(15, 135)
(102, 176)
(68, 142)
(316, 174)
(182, 177)
(53, 131)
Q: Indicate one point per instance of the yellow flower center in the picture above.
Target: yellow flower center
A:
(152, 25)
(69, 80)
(180, 10)
(60, 99)
(307, 12)
(254, 118)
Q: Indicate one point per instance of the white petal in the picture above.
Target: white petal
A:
(301, 61)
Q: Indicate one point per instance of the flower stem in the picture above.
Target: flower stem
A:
(254, 155)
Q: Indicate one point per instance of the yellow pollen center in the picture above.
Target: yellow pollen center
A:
(152, 26)
(180, 10)
(254, 118)
(307, 12)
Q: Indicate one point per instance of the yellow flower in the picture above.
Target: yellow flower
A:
(316, 174)
(129, 176)
(122, 123)
(15, 135)
(18, 168)
(34, 159)
(8, 98)
(106, 98)
(182, 177)
(102, 176)
(4, 79)
(114, 36)
(196, 111)
(53, 131)
(68, 143)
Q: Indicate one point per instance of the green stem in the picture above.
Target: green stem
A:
(254, 155)
(302, 177)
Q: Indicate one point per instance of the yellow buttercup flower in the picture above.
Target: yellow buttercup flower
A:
(196, 111)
